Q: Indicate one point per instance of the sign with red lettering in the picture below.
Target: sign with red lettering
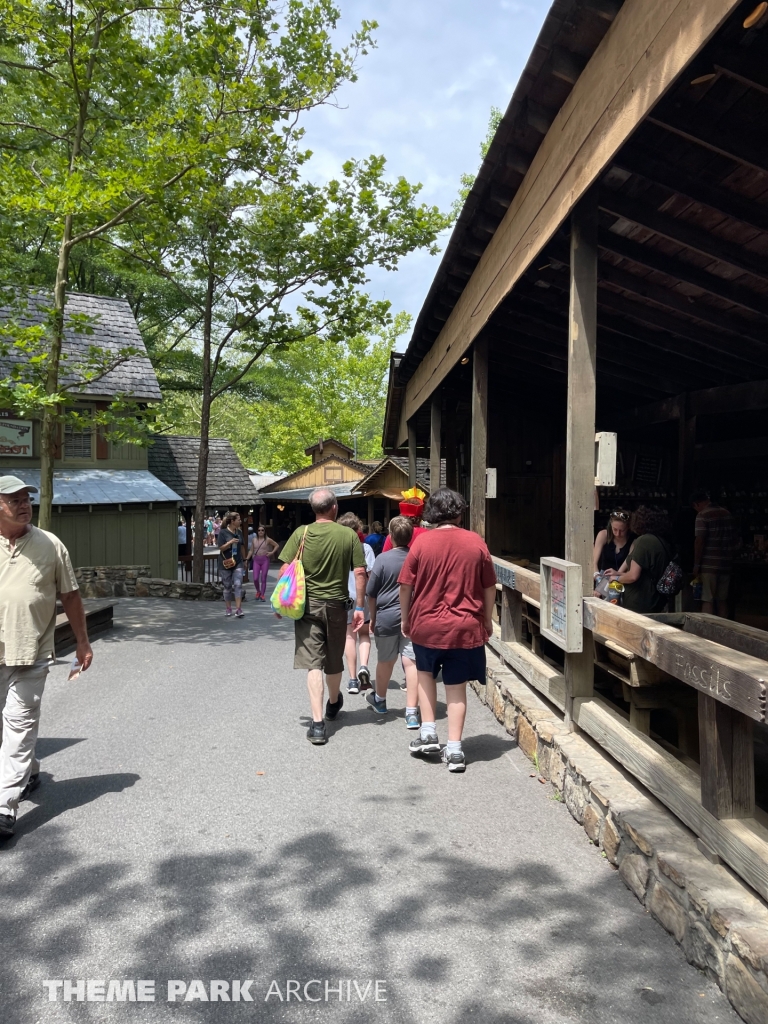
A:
(16, 438)
(561, 598)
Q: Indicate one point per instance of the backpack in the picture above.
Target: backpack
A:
(671, 582)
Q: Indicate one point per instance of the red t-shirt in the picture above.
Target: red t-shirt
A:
(417, 532)
(449, 571)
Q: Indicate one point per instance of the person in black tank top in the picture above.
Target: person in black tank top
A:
(612, 544)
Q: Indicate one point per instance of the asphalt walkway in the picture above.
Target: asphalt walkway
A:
(186, 831)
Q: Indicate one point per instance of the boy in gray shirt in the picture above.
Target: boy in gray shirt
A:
(383, 594)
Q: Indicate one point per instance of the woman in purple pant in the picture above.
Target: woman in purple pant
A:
(262, 549)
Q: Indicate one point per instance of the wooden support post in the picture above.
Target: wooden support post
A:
(727, 760)
(451, 454)
(479, 436)
(511, 616)
(435, 441)
(371, 511)
(580, 431)
(411, 453)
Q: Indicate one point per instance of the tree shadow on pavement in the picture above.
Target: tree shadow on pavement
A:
(453, 936)
(54, 798)
(169, 622)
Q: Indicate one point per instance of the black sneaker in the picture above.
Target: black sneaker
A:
(364, 677)
(7, 825)
(331, 710)
(31, 786)
(455, 762)
(379, 706)
(353, 686)
(427, 745)
(316, 733)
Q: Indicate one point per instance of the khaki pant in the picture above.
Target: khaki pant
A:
(21, 690)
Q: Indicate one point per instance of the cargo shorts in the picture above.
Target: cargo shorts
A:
(320, 636)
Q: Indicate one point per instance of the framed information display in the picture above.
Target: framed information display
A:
(561, 604)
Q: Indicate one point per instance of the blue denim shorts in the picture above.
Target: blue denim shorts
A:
(459, 665)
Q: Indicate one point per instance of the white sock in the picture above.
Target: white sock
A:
(428, 729)
(411, 711)
(380, 699)
(454, 746)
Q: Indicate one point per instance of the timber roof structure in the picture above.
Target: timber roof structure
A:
(280, 484)
(174, 460)
(422, 474)
(114, 328)
(682, 192)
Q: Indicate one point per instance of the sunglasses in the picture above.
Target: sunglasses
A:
(621, 516)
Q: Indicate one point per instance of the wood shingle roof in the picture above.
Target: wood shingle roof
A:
(175, 461)
(114, 328)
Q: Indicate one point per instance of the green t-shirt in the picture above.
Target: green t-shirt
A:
(330, 551)
(653, 557)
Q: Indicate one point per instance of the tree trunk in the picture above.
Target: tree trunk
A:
(51, 415)
(48, 433)
(198, 564)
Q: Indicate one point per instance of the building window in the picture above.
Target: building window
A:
(333, 474)
(78, 444)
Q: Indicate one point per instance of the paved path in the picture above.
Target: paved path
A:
(187, 830)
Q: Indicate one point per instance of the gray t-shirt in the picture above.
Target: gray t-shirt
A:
(383, 585)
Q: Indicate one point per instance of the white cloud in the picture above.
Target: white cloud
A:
(422, 99)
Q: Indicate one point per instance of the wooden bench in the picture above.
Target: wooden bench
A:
(98, 617)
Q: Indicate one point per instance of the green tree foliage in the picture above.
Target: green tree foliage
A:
(466, 181)
(297, 396)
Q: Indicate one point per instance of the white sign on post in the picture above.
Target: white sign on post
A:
(16, 438)
(606, 446)
(561, 604)
(490, 483)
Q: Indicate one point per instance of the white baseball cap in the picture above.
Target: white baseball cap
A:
(12, 484)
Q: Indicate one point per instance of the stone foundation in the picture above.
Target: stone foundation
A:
(110, 580)
(721, 924)
(148, 587)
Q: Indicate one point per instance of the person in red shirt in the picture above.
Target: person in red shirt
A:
(447, 594)
(412, 508)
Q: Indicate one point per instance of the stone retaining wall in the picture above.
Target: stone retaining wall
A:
(721, 924)
(148, 587)
(110, 580)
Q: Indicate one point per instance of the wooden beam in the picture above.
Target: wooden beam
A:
(705, 243)
(641, 55)
(539, 674)
(698, 130)
(743, 845)
(633, 160)
(654, 259)
(479, 458)
(648, 415)
(580, 430)
(733, 398)
(451, 454)
(733, 678)
(412, 453)
(727, 758)
(435, 440)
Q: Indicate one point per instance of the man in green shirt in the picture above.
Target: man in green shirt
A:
(330, 552)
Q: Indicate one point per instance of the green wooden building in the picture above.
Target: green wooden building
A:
(109, 509)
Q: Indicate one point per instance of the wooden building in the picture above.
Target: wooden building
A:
(108, 507)
(609, 272)
(286, 501)
(174, 460)
(383, 485)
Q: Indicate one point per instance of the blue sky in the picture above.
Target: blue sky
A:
(422, 99)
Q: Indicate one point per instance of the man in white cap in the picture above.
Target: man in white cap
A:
(34, 568)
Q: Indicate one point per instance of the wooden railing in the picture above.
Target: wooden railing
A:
(716, 798)
(210, 566)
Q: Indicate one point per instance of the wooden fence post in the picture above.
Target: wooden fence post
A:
(511, 616)
(580, 433)
(479, 436)
(727, 760)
